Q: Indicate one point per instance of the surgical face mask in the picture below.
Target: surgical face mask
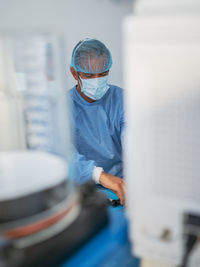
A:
(95, 88)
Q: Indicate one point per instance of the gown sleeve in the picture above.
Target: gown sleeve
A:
(83, 167)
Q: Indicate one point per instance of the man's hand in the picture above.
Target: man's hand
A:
(115, 184)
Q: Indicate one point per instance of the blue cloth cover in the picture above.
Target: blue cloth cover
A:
(91, 56)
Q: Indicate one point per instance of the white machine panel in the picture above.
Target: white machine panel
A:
(162, 100)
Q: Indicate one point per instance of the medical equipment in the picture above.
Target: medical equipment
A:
(40, 208)
(162, 149)
(94, 88)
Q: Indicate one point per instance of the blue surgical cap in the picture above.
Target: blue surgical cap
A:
(91, 56)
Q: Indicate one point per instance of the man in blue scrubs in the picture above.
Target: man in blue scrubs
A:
(98, 118)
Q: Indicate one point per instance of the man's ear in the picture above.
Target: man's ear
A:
(74, 73)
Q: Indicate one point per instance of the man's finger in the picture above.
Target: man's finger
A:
(120, 194)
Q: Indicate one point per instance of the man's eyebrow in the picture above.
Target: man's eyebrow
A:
(105, 72)
(91, 74)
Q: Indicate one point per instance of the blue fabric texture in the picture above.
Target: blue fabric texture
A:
(98, 131)
(91, 56)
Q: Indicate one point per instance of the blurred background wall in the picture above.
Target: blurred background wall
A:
(73, 19)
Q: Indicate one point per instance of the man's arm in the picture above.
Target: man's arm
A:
(84, 168)
(85, 171)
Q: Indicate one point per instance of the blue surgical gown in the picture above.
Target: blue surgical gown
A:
(98, 131)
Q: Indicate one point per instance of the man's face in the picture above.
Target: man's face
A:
(82, 75)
